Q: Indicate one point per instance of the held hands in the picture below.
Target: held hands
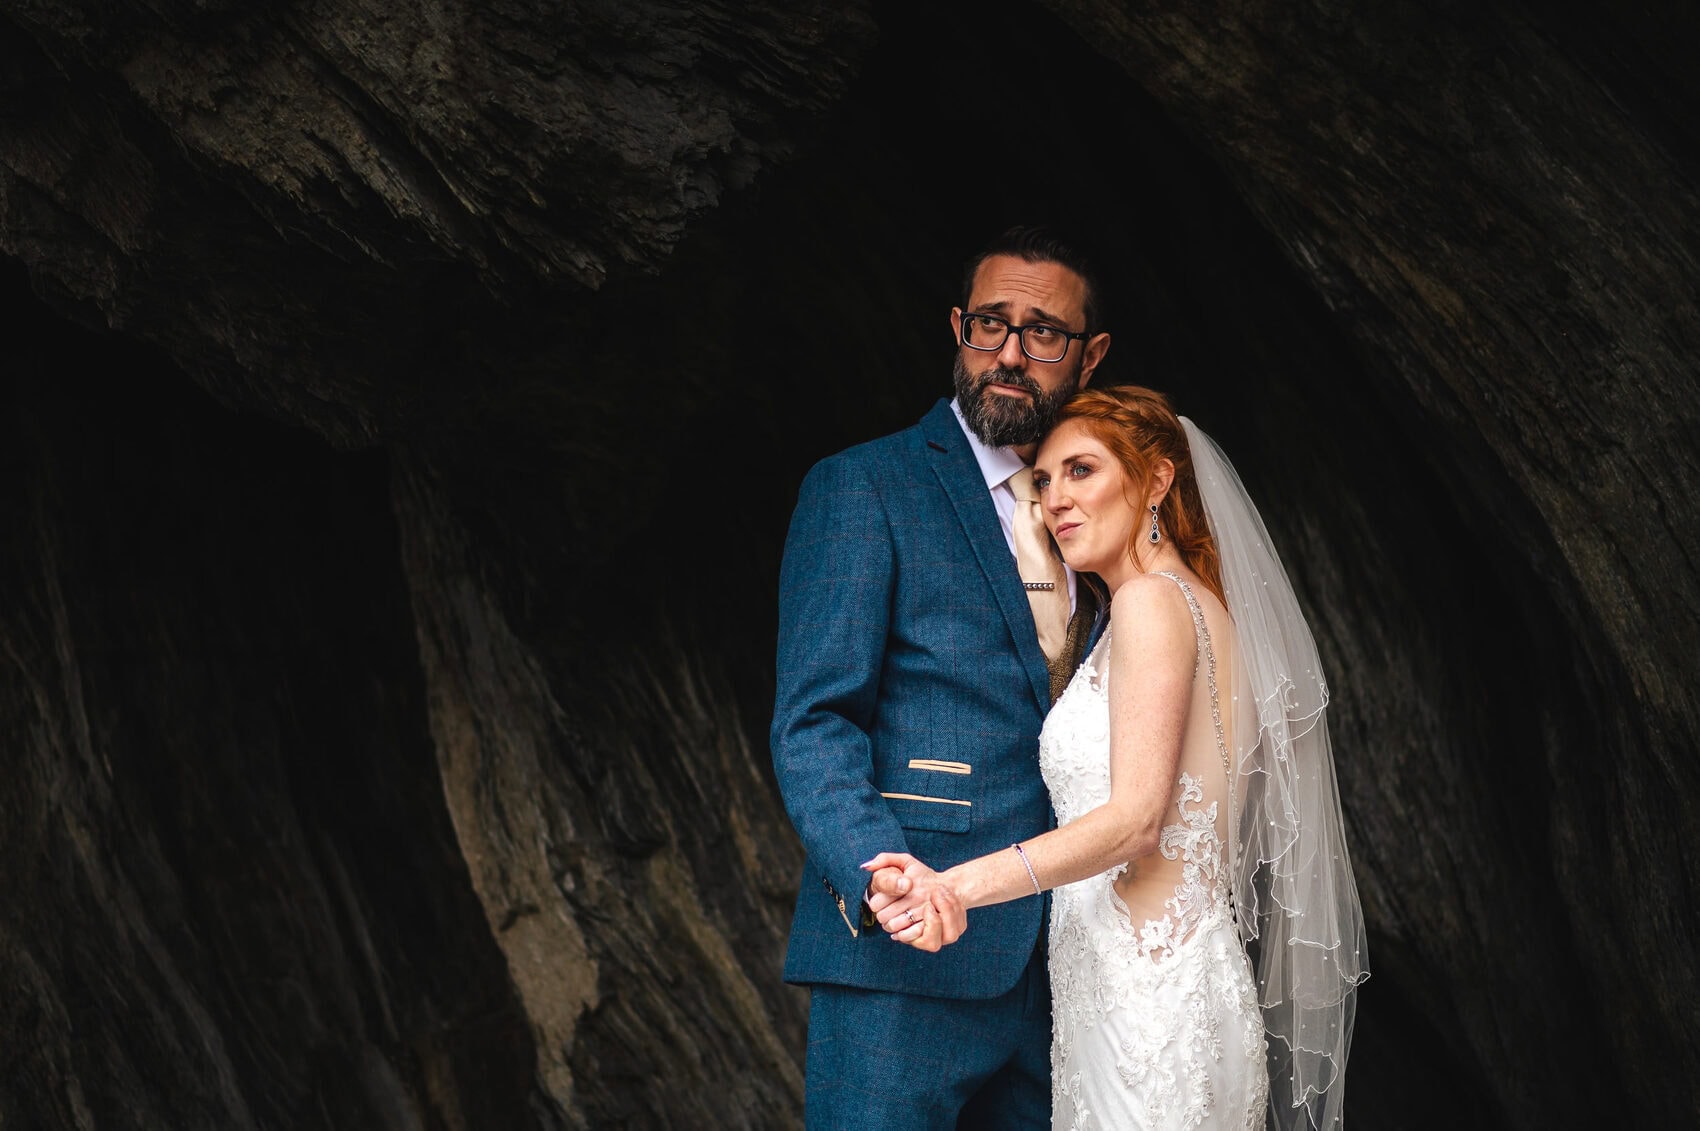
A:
(913, 903)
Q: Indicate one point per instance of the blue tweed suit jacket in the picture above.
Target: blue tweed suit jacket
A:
(910, 693)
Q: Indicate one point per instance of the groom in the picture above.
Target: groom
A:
(916, 663)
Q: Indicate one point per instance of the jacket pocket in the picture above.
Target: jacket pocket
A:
(940, 766)
(939, 814)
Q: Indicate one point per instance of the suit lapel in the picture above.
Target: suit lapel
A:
(958, 473)
(1100, 615)
(1083, 630)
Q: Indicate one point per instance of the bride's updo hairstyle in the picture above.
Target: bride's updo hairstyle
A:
(1140, 428)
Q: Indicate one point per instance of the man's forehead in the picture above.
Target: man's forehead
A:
(1008, 280)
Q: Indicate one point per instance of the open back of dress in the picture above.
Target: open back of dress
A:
(1156, 1019)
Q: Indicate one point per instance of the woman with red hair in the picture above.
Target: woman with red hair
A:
(1190, 769)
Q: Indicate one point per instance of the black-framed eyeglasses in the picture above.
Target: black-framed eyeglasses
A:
(1040, 342)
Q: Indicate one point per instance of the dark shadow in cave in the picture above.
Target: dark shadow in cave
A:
(271, 825)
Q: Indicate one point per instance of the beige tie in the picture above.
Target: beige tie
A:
(1040, 568)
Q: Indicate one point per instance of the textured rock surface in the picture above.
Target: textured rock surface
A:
(405, 768)
(234, 898)
(298, 184)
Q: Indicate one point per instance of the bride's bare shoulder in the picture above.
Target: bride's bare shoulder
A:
(1149, 601)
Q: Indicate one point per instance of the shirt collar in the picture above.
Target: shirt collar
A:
(996, 464)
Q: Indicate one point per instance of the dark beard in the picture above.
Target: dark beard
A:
(1001, 421)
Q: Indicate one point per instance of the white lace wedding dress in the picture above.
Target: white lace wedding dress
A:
(1156, 1019)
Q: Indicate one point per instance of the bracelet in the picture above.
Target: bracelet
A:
(1019, 851)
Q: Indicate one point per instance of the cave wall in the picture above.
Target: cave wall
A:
(234, 897)
(305, 833)
(389, 638)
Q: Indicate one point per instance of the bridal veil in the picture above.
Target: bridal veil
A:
(1293, 888)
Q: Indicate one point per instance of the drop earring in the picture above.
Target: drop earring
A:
(1155, 536)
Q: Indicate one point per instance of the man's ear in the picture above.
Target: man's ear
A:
(1096, 347)
(956, 323)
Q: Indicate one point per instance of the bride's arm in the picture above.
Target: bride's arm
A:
(1152, 650)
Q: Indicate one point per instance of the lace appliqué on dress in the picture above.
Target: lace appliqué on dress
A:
(1204, 883)
(1155, 1026)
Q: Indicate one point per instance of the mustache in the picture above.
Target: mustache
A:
(999, 375)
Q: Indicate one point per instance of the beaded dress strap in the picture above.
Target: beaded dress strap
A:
(1202, 632)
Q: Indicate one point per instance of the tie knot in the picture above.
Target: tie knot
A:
(1021, 483)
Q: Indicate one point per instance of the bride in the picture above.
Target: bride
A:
(1189, 765)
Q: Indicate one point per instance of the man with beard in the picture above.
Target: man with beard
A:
(925, 626)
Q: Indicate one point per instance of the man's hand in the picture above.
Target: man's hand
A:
(912, 903)
(888, 881)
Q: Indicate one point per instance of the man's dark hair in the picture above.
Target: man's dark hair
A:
(1039, 244)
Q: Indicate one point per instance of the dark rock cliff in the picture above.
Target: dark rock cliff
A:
(405, 404)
